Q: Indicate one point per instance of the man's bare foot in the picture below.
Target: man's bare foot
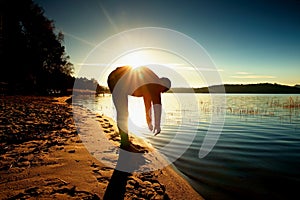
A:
(133, 148)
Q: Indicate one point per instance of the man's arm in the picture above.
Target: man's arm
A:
(157, 117)
(157, 107)
(147, 102)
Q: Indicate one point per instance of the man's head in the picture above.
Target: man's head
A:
(166, 83)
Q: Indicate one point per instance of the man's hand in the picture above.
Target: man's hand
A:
(150, 126)
(156, 130)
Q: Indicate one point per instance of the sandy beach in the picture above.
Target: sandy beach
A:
(42, 156)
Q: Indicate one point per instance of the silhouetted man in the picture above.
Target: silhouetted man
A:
(138, 82)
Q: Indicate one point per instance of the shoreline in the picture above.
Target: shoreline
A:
(42, 156)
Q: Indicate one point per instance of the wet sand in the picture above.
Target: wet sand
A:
(42, 156)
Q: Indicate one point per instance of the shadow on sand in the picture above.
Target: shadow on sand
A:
(126, 165)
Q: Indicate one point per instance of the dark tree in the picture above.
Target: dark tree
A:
(33, 59)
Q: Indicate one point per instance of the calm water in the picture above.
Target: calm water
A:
(257, 155)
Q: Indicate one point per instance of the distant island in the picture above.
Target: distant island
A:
(260, 88)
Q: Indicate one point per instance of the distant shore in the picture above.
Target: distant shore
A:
(42, 156)
(260, 88)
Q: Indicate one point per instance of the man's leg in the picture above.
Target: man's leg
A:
(121, 104)
(124, 138)
(120, 99)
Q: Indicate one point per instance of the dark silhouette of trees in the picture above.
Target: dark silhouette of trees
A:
(85, 84)
(260, 88)
(102, 89)
(33, 59)
(89, 84)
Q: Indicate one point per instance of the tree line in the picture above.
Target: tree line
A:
(83, 83)
(33, 58)
(259, 88)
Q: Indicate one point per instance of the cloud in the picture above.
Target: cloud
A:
(254, 77)
(248, 75)
(191, 68)
(243, 73)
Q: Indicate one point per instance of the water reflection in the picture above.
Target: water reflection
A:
(257, 154)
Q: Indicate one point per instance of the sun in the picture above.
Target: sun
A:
(134, 59)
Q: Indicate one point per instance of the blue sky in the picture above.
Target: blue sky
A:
(250, 41)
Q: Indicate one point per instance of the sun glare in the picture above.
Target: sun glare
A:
(163, 63)
(134, 59)
(137, 117)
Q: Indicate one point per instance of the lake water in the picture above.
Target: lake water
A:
(256, 156)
